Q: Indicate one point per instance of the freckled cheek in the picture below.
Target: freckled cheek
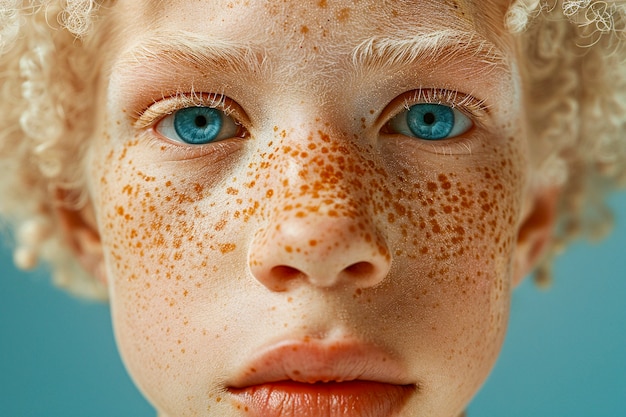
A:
(479, 277)
(455, 234)
(153, 219)
(165, 262)
(160, 223)
(468, 217)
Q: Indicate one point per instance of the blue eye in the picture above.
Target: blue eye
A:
(430, 122)
(198, 126)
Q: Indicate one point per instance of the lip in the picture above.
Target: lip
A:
(316, 377)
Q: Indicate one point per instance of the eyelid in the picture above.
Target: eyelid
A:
(472, 107)
(169, 105)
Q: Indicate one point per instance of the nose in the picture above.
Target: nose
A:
(320, 232)
(322, 250)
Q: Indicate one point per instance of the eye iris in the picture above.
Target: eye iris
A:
(430, 121)
(198, 125)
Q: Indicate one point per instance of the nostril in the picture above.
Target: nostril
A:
(284, 272)
(360, 269)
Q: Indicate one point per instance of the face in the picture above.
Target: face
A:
(309, 208)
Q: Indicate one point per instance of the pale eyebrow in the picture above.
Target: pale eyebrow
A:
(181, 48)
(446, 46)
(158, 58)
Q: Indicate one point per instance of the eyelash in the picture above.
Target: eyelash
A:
(169, 105)
(474, 108)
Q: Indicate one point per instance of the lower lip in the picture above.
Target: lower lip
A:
(340, 399)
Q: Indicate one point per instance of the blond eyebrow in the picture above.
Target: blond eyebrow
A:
(446, 46)
(159, 57)
(182, 48)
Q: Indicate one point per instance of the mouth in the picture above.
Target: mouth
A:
(317, 378)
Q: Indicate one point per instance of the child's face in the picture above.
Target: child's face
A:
(318, 241)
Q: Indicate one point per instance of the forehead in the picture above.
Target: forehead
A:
(312, 47)
(323, 21)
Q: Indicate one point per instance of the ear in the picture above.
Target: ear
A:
(81, 232)
(535, 232)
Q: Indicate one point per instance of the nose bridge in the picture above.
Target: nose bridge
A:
(327, 178)
(320, 225)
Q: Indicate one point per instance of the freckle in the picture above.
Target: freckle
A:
(431, 186)
(220, 225)
(289, 249)
(227, 247)
(304, 29)
(400, 209)
(312, 242)
(324, 136)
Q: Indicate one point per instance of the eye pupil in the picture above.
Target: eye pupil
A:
(429, 118)
(200, 121)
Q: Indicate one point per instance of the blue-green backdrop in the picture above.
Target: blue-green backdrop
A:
(565, 354)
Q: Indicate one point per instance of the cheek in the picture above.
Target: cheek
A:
(165, 245)
(455, 230)
(465, 213)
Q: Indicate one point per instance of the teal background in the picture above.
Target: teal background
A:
(565, 354)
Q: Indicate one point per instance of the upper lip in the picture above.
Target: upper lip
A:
(312, 361)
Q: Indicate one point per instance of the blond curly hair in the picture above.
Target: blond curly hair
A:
(573, 71)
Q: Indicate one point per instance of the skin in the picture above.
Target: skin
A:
(319, 223)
